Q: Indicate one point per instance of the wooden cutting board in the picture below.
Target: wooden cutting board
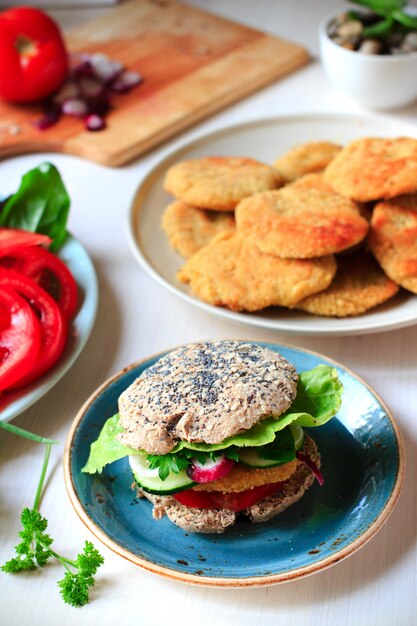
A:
(194, 64)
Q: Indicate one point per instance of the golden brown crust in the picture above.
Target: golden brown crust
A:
(188, 229)
(300, 223)
(232, 272)
(312, 181)
(241, 478)
(310, 157)
(372, 168)
(359, 285)
(219, 183)
(393, 239)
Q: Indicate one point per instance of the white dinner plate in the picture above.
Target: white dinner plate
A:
(264, 140)
(79, 263)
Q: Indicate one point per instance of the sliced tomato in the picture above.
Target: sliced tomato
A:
(20, 338)
(48, 271)
(234, 501)
(53, 326)
(12, 238)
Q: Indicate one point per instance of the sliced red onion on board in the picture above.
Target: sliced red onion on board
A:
(69, 89)
(126, 81)
(94, 122)
(75, 107)
(87, 93)
(311, 465)
(211, 470)
(105, 69)
(90, 87)
(51, 115)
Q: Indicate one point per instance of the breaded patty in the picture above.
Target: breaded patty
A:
(393, 239)
(312, 181)
(188, 229)
(305, 159)
(219, 183)
(359, 285)
(232, 272)
(242, 477)
(205, 392)
(372, 169)
(300, 223)
(217, 520)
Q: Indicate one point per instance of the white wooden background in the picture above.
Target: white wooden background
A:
(374, 587)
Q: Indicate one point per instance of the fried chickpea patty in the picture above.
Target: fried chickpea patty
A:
(219, 183)
(359, 285)
(232, 272)
(393, 239)
(241, 478)
(300, 223)
(188, 229)
(372, 169)
(305, 159)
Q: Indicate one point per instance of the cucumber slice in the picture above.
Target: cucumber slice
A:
(298, 435)
(149, 479)
(250, 457)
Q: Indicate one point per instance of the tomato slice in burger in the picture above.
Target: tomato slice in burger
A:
(237, 501)
(48, 271)
(12, 238)
(20, 337)
(53, 326)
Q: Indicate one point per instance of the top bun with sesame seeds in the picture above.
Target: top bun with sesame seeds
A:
(204, 393)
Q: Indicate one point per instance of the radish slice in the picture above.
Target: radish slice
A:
(126, 81)
(211, 470)
(94, 122)
(75, 107)
(311, 465)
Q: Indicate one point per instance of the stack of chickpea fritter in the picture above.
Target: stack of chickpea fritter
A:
(329, 230)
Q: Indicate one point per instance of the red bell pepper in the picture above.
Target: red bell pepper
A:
(33, 58)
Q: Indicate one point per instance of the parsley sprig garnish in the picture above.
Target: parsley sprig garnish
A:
(35, 547)
(181, 460)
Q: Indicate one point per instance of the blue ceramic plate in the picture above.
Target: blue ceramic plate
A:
(77, 260)
(362, 462)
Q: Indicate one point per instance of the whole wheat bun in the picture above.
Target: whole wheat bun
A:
(205, 392)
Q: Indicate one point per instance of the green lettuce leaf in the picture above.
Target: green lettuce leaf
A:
(107, 449)
(318, 399)
(40, 205)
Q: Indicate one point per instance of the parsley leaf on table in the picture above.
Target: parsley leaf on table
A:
(35, 548)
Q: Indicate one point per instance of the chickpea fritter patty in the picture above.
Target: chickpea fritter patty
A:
(310, 157)
(219, 183)
(232, 272)
(393, 239)
(300, 223)
(359, 285)
(373, 169)
(189, 229)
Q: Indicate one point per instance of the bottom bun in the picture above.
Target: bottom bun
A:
(217, 520)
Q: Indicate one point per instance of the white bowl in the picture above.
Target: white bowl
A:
(375, 81)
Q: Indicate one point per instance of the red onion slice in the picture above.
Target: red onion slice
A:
(75, 107)
(311, 465)
(51, 115)
(105, 69)
(126, 81)
(94, 122)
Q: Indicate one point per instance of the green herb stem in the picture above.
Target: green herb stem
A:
(48, 447)
(25, 433)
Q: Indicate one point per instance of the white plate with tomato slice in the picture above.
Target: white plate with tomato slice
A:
(76, 259)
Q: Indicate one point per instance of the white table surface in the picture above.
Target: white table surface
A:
(137, 317)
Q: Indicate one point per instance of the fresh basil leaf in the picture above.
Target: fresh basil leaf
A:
(40, 205)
